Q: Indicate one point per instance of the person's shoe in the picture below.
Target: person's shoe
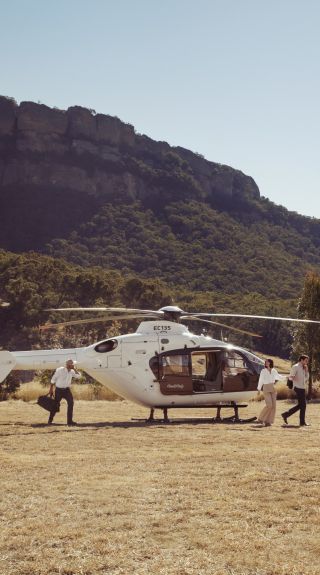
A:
(72, 423)
(49, 421)
(267, 424)
(305, 424)
(285, 418)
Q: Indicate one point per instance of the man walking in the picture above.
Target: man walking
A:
(62, 379)
(299, 375)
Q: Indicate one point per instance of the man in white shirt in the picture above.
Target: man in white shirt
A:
(299, 374)
(62, 379)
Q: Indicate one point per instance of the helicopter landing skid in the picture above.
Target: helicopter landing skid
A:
(165, 419)
(233, 418)
(218, 419)
(151, 418)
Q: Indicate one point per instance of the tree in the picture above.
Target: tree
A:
(307, 336)
(9, 385)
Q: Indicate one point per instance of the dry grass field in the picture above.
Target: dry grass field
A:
(30, 392)
(115, 496)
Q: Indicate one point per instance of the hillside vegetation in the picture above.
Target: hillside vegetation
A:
(191, 243)
(32, 283)
(94, 192)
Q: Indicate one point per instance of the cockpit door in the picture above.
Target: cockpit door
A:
(238, 373)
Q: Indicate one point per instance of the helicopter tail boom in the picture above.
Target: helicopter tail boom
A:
(7, 363)
(32, 360)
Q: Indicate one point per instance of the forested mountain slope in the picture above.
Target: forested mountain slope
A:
(32, 283)
(88, 188)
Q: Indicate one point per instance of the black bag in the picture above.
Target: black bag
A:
(47, 403)
(290, 383)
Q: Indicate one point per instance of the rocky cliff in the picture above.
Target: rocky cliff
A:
(77, 160)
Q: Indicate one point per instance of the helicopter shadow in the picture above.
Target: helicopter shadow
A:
(145, 423)
(31, 429)
(137, 423)
(27, 429)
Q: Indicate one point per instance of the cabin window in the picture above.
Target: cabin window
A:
(175, 365)
(105, 346)
(234, 363)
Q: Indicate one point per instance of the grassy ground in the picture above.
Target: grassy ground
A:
(116, 496)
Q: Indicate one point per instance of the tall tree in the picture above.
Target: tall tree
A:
(307, 336)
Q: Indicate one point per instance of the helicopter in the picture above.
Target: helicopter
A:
(161, 365)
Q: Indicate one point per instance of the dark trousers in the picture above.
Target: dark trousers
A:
(301, 405)
(66, 394)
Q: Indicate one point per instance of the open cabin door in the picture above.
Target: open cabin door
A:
(187, 372)
(206, 371)
(175, 373)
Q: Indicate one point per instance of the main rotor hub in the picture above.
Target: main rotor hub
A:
(171, 313)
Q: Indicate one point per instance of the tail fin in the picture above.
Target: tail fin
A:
(7, 363)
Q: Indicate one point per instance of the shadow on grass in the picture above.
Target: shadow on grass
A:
(260, 427)
(133, 424)
(31, 429)
(291, 426)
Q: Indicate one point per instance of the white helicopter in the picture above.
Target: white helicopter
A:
(162, 365)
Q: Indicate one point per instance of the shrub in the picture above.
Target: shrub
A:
(9, 386)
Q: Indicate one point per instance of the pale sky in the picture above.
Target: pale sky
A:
(235, 80)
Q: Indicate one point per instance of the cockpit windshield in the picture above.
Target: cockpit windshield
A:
(257, 362)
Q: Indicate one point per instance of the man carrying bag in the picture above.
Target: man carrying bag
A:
(299, 375)
(61, 380)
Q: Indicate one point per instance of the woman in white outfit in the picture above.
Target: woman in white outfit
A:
(268, 377)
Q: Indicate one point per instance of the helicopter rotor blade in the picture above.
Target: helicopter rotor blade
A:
(256, 317)
(193, 318)
(92, 320)
(110, 309)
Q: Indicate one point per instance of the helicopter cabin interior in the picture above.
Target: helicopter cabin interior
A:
(187, 372)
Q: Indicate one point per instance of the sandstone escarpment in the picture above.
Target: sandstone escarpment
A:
(77, 159)
(38, 129)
